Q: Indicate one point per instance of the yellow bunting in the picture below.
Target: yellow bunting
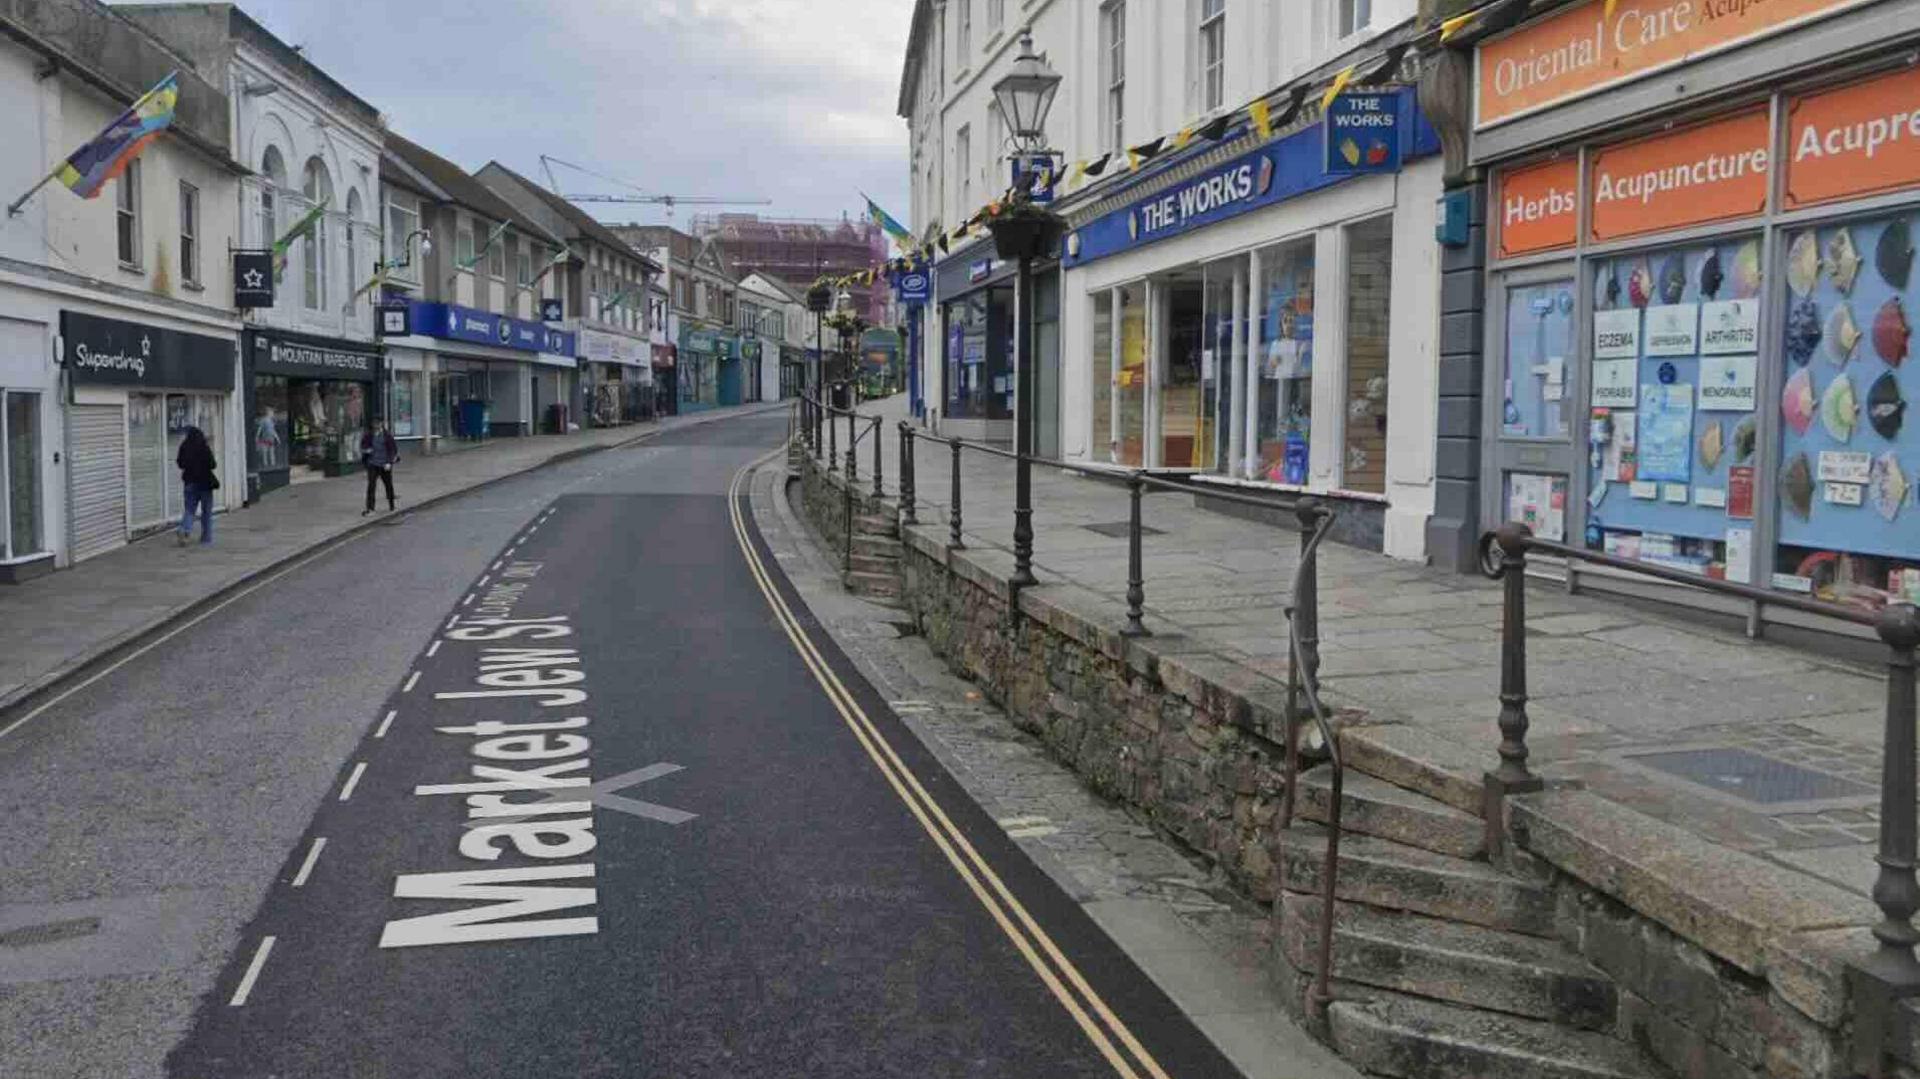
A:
(1450, 27)
(1262, 118)
(1185, 136)
(1340, 82)
(1133, 160)
(1611, 4)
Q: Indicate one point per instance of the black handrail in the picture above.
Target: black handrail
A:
(1892, 972)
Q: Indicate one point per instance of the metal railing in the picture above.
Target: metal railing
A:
(1302, 611)
(814, 416)
(1892, 972)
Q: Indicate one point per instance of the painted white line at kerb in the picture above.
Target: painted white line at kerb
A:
(497, 564)
(434, 647)
(253, 973)
(411, 679)
(482, 582)
(467, 600)
(353, 780)
(306, 867)
(381, 730)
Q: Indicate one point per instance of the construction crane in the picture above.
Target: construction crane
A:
(667, 201)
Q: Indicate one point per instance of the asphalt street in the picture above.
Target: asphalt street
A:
(558, 778)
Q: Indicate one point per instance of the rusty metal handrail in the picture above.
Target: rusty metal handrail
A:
(1892, 972)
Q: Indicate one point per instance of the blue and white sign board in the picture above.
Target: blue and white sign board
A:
(453, 322)
(914, 287)
(1285, 168)
(1363, 133)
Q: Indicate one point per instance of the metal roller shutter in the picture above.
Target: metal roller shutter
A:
(96, 479)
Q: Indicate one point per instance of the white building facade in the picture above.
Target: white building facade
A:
(1232, 307)
(116, 326)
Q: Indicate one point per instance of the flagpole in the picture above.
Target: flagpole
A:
(13, 208)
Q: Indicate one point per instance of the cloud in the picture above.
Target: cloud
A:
(790, 100)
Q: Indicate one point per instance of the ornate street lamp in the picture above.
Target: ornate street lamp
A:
(1025, 231)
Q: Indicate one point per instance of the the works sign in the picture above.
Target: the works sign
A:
(1280, 170)
(106, 351)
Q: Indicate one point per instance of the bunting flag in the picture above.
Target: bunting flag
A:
(1079, 172)
(1340, 82)
(563, 255)
(1450, 27)
(1262, 116)
(619, 299)
(1389, 66)
(107, 154)
(941, 243)
(1185, 136)
(1215, 128)
(302, 227)
(492, 238)
(894, 229)
(1099, 164)
(378, 279)
(1295, 103)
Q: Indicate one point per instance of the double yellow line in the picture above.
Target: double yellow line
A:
(1129, 1058)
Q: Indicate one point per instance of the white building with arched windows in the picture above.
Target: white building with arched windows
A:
(311, 365)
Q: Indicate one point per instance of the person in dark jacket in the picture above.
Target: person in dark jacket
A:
(198, 483)
(379, 452)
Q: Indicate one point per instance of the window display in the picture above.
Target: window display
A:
(20, 450)
(1672, 428)
(1217, 362)
(1369, 315)
(1285, 424)
(403, 411)
(1103, 382)
(979, 355)
(269, 423)
(1848, 532)
(1539, 343)
(1185, 441)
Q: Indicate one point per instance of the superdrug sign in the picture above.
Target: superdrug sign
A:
(108, 352)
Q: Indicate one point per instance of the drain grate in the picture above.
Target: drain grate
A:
(1118, 530)
(1750, 776)
(29, 936)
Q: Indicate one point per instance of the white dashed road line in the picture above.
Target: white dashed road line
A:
(411, 679)
(381, 730)
(253, 973)
(353, 780)
(306, 867)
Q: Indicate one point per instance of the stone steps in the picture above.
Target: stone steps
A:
(1409, 1038)
(876, 546)
(878, 565)
(1382, 873)
(1451, 961)
(1375, 807)
(1424, 763)
(882, 586)
(876, 525)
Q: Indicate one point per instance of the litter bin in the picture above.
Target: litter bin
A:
(474, 417)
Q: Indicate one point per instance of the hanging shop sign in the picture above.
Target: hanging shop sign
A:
(452, 322)
(252, 279)
(106, 351)
(1539, 207)
(392, 319)
(914, 287)
(1862, 139)
(1585, 48)
(1713, 172)
(552, 310)
(1363, 133)
(1280, 170)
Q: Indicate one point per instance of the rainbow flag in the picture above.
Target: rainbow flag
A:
(107, 154)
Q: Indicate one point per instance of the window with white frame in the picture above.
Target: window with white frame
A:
(996, 15)
(1113, 64)
(1213, 53)
(463, 248)
(273, 175)
(497, 258)
(401, 223)
(317, 185)
(354, 228)
(523, 272)
(963, 37)
(189, 233)
(126, 197)
(963, 165)
(1355, 16)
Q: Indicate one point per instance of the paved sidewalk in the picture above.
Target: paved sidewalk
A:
(52, 625)
(1791, 739)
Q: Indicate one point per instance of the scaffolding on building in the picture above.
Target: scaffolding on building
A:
(798, 250)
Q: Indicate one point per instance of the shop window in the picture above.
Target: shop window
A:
(189, 233)
(146, 460)
(1283, 424)
(24, 530)
(979, 367)
(1130, 384)
(126, 196)
(1218, 407)
(270, 417)
(1185, 426)
(1369, 314)
(403, 411)
(1849, 531)
(1539, 346)
(1672, 425)
(1103, 380)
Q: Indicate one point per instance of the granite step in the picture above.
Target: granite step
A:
(876, 546)
(1451, 961)
(874, 564)
(1382, 873)
(1409, 1038)
(876, 525)
(1375, 807)
(1419, 761)
(873, 585)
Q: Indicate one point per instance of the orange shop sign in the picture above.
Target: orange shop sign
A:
(1710, 172)
(1862, 139)
(1539, 207)
(1584, 48)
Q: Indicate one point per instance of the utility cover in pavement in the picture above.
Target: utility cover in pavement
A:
(1118, 530)
(1751, 776)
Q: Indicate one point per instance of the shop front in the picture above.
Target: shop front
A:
(618, 376)
(666, 383)
(793, 371)
(135, 390)
(309, 399)
(484, 375)
(1698, 321)
(974, 293)
(29, 481)
(709, 367)
(1263, 317)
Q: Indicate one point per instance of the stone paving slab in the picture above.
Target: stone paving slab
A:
(53, 625)
(1418, 646)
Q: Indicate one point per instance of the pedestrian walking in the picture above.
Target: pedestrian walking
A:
(379, 452)
(197, 484)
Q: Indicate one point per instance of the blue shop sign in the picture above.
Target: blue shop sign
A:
(452, 322)
(1282, 169)
(913, 287)
(1363, 133)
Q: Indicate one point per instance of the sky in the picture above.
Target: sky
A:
(787, 100)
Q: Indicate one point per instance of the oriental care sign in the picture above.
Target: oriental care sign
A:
(273, 356)
(105, 351)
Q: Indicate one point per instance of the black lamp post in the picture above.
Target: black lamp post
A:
(819, 298)
(1023, 232)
